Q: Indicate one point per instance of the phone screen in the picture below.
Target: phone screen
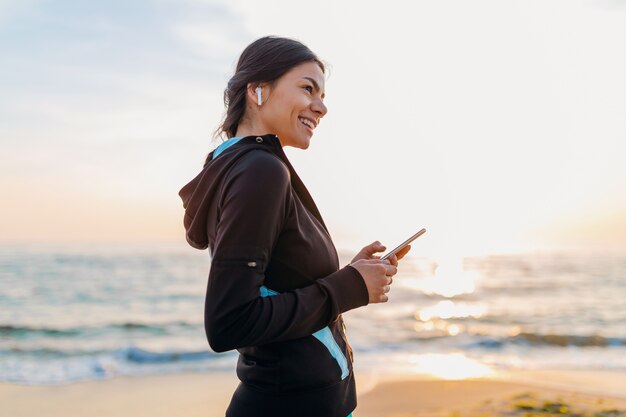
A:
(403, 245)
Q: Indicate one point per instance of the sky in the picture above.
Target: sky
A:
(496, 125)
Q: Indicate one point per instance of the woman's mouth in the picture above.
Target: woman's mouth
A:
(307, 124)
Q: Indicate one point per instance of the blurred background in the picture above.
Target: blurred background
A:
(497, 125)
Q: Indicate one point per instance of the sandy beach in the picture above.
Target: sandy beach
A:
(197, 394)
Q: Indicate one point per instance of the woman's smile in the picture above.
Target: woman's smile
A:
(308, 124)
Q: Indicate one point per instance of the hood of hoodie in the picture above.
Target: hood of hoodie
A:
(201, 195)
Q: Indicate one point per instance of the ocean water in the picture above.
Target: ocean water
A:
(73, 313)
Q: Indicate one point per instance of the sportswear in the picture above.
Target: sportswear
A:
(275, 290)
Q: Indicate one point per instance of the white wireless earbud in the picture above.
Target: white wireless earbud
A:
(258, 96)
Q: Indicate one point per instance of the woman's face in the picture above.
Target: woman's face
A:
(293, 106)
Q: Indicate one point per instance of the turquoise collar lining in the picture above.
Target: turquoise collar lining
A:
(225, 145)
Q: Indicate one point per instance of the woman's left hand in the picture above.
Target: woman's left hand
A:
(368, 253)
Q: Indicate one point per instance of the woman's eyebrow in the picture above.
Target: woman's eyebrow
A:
(315, 84)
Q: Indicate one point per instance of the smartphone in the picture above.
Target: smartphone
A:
(403, 245)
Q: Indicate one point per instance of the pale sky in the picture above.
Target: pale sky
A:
(497, 125)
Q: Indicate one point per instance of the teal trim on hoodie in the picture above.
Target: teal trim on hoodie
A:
(225, 145)
(323, 335)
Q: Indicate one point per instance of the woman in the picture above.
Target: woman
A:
(275, 290)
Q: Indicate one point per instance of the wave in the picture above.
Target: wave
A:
(52, 366)
(558, 340)
(138, 355)
(132, 354)
(10, 330)
(19, 331)
(50, 353)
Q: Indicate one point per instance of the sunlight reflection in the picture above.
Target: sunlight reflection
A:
(449, 279)
(449, 366)
(437, 328)
(447, 309)
(454, 329)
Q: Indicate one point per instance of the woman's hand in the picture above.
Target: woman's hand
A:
(368, 253)
(377, 275)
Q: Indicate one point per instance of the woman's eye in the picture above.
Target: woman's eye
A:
(311, 88)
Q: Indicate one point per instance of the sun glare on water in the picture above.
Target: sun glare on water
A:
(449, 279)
(449, 366)
(447, 309)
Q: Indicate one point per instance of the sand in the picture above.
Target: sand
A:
(207, 395)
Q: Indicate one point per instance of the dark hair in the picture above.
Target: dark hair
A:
(263, 61)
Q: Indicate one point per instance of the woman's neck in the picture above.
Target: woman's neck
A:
(251, 129)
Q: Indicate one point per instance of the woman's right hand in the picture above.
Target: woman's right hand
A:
(377, 275)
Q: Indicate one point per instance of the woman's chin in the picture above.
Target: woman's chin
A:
(300, 142)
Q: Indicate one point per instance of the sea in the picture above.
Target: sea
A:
(73, 313)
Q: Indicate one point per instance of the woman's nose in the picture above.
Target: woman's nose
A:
(319, 107)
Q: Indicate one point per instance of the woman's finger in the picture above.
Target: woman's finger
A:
(369, 250)
(373, 247)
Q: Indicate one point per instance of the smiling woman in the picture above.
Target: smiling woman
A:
(276, 292)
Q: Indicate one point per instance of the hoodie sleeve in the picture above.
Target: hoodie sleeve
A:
(255, 202)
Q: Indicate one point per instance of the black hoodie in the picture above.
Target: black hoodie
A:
(275, 290)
